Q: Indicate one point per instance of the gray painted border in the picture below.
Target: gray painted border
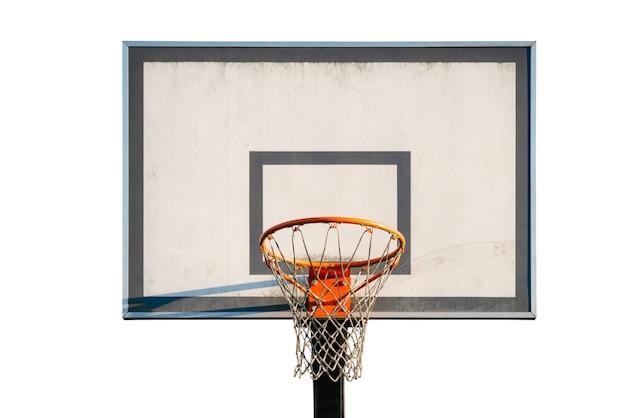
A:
(461, 44)
(135, 305)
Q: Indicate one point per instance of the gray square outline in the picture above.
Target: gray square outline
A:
(259, 159)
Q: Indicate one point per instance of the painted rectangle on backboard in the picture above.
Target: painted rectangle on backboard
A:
(224, 141)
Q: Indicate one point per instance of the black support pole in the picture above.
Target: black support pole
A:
(328, 398)
(328, 395)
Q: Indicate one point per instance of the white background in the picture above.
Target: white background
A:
(65, 349)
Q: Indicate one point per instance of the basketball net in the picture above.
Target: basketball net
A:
(331, 270)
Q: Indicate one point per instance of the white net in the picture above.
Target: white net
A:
(331, 273)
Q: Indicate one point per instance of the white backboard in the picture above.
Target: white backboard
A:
(225, 141)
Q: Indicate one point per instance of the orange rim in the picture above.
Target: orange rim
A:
(395, 235)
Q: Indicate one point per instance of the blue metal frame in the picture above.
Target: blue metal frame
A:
(272, 313)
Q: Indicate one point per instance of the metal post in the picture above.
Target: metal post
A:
(328, 398)
(329, 335)
(328, 395)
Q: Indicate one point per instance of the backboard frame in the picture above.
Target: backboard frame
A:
(137, 305)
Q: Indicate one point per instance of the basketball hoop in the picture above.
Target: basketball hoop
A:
(330, 270)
